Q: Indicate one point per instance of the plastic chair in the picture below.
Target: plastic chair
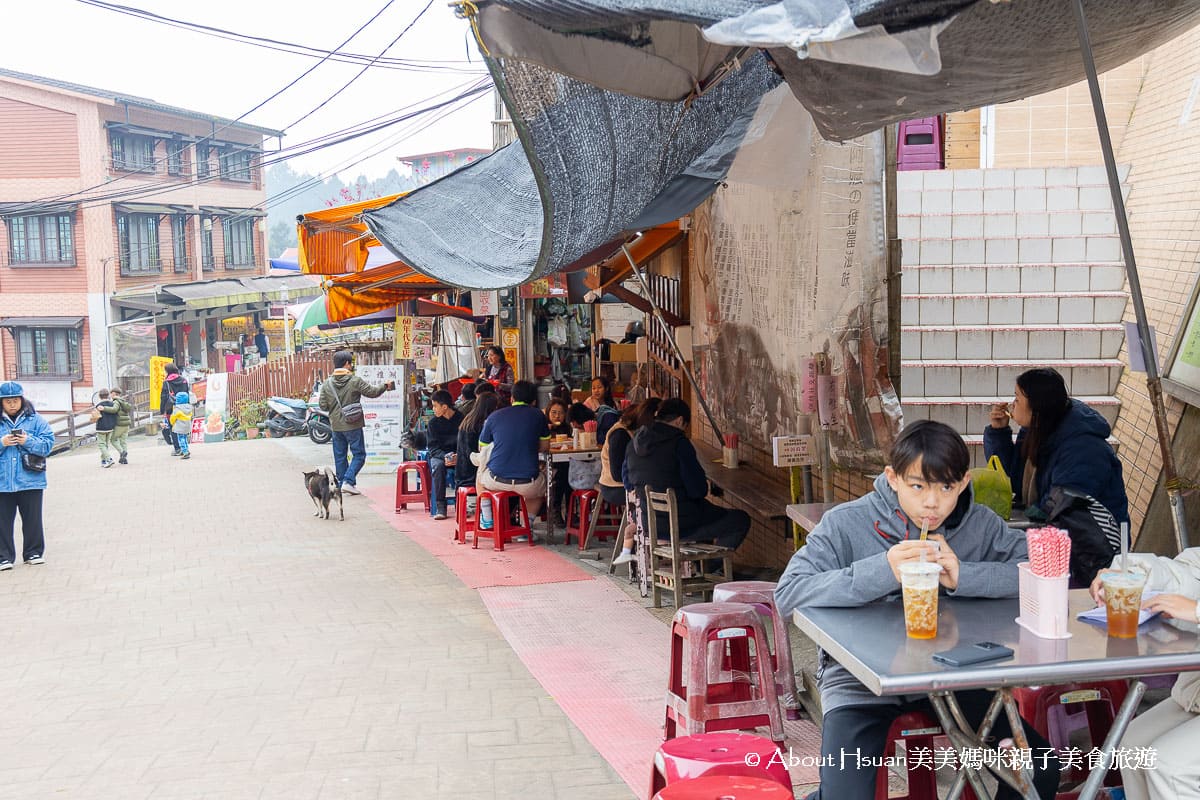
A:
(466, 504)
(702, 699)
(1056, 711)
(725, 787)
(675, 553)
(418, 491)
(761, 595)
(579, 513)
(504, 506)
(690, 757)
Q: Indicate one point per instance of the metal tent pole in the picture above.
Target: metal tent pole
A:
(712, 421)
(1153, 382)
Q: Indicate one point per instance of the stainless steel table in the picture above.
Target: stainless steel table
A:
(889, 663)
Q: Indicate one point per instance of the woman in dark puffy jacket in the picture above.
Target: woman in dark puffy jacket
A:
(1062, 442)
(465, 470)
(23, 433)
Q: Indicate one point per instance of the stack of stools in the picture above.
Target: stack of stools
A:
(725, 787)
(761, 595)
(700, 702)
(418, 490)
(741, 754)
(510, 519)
(465, 506)
(1057, 710)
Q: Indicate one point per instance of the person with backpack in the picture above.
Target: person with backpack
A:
(341, 398)
(120, 434)
(173, 385)
(181, 423)
(106, 423)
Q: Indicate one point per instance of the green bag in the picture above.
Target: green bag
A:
(993, 487)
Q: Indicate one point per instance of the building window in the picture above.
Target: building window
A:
(235, 164)
(132, 153)
(239, 242)
(137, 241)
(179, 243)
(48, 353)
(45, 239)
(202, 161)
(175, 150)
(207, 262)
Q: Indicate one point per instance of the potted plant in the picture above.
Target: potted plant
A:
(250, 414)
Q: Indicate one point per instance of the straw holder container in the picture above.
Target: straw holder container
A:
(1043, 603)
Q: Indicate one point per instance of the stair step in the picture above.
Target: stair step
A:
(1008, 279)
(1022, 249)
(971, 413)
(975, 446)
(1026, 220)
(989, 343)
(1016, 177)
(947, 377)
(1083, 309)
(1030, 327)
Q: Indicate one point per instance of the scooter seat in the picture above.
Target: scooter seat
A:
(299, 405)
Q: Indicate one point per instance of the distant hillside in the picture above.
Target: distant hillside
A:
(290, 193)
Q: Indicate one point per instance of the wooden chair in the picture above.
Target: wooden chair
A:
(667, 558)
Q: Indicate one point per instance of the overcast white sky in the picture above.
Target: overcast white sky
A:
(71, 41)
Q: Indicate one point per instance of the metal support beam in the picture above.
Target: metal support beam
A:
(1153, 381)
(658, 312)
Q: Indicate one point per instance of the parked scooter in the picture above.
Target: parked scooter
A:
(319, 429)
(286, 416)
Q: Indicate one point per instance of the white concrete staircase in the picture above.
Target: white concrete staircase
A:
(1005, 270)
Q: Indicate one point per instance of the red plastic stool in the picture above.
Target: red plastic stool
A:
(701, 702)
(725, 787)
(465, 505)
(607, 522)
(706, 754)
(1055, 711)
(503, 529)
(407, 493)
(761, 595)
(918, 731)
(579, 514)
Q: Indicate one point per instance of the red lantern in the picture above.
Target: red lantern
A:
(163, 334)
(187, 327)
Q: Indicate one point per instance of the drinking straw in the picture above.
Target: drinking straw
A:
(1124, 547)
(924, 529)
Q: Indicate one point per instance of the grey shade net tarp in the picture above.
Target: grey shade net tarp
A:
(619, 127)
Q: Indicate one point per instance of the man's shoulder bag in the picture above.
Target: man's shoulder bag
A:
(352, 413)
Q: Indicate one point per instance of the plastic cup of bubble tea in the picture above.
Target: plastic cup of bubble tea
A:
(919, 582)
(1123, 602)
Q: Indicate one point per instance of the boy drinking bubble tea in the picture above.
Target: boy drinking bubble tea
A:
(854, 557)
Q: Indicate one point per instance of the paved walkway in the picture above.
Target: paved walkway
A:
(196, 633)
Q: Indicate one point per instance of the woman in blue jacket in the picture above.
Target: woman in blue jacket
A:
(1062, 442)
(22, 432)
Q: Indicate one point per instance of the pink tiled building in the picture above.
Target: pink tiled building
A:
(106, 202)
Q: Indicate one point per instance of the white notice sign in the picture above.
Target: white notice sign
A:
(485, 304)
(793, 451)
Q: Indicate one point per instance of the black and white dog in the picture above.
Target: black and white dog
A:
(321, 483)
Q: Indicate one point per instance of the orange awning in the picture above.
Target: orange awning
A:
(376, 289)
(332, 241)
(650, 244)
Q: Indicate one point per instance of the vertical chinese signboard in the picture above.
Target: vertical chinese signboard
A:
(510, 342)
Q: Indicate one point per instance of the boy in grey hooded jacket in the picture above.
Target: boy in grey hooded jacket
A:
(853, 558)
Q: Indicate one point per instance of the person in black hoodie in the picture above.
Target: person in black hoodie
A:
(443, 448)
(173, 384)
(660, 458)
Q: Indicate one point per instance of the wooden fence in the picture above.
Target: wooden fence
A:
(291, 376)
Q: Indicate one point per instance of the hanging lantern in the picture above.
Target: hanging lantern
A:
(203, 334)
(187, 327)
(163, 334)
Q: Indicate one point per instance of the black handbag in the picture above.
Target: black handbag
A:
(33, 462)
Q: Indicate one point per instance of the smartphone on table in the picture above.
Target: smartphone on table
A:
(978, 653)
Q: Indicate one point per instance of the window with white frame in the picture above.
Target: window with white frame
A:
(179, 242)
(132, 153)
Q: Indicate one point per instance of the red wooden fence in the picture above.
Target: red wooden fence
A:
(291, 376)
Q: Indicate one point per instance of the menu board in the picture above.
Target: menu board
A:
(384, 417)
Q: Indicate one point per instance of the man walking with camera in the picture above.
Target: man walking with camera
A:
(341, 398)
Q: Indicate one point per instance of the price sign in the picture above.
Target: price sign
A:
(793, 451)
